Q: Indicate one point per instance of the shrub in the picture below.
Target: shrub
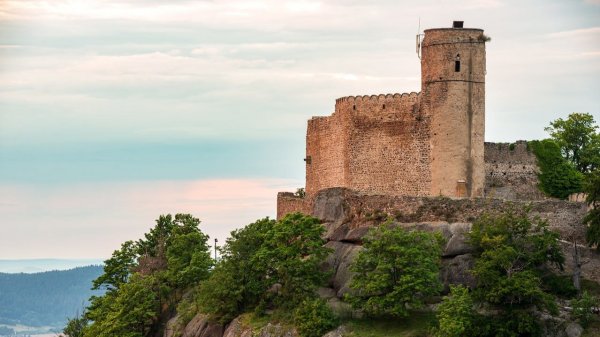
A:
(314, 318)
(455, 315)
(582, 308)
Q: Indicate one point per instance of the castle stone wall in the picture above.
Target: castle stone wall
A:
(326, 149)
(375, 144)
(288, 202)
(511, 172)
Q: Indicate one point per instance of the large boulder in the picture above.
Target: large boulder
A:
(573, 330)
(172, 327)
(457, 244)
(330, 205)
(457, 271)
(277, 330)
(237, 329)
(339, 332)
(200, 326)
(339, 262)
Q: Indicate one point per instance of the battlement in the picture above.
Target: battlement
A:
(378, 104)
(412, 144)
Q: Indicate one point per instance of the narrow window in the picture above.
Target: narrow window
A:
(354, 107)
(457, 63)
(384, 107)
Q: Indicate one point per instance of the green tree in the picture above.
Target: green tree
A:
(188, 256)
(396, 269)
(512, 249)
(238, 281)
(578, 140)
(592, 218)
(75, 326)
(291, 255)
(130, 312)
(558, 177)
(144, 276)
(118, 268)
(285, 255)
(456, 315)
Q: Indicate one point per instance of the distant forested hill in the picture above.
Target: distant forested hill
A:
(46, 298)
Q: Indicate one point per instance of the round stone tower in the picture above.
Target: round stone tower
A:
(453, 97)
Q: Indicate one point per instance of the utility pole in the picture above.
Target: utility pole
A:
(216, 249)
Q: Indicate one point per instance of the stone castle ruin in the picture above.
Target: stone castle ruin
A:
(429, 143)
(419, 161)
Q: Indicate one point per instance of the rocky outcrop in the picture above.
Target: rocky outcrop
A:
(237, 329)
(200, 326)
(339, 332)
(171, 327)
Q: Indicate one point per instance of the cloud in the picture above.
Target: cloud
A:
(592, 32)
(90, 220)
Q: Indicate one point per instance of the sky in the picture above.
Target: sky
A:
(114, 112)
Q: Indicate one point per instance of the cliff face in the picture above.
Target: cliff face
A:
(349, 215)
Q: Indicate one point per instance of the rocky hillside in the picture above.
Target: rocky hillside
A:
(348, 216)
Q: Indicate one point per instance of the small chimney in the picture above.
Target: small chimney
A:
(457, 24)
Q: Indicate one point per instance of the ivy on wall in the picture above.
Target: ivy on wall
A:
(558, 177)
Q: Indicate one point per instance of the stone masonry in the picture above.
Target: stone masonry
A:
(429, 143)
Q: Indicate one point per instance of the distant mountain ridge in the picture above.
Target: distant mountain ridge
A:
(41, 265)
(46, 298)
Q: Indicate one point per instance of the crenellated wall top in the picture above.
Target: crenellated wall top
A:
(380, 97)
(371, 105)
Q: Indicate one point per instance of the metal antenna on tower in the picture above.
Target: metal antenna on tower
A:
(419, 35)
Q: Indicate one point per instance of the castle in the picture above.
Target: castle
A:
(422, 144)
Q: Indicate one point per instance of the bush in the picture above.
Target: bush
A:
(314, 318)
(582, 308)
(559, 285)
(455, 315)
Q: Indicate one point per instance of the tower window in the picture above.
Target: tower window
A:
(384, 106)
(457, 63)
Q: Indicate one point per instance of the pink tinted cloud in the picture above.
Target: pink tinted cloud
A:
(90, 220)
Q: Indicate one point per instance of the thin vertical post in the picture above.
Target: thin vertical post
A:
(216, 249)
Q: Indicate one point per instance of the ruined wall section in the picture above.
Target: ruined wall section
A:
(326, 153)
(388, 151)
(288, 202)
(511, 172)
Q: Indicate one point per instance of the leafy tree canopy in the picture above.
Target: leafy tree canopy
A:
(558, 177)
(512, 249)
(267, 263)
(143, 276)
(578, 140)
(592, 219)
(397, 269)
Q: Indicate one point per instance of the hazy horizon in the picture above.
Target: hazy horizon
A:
(32, 266)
